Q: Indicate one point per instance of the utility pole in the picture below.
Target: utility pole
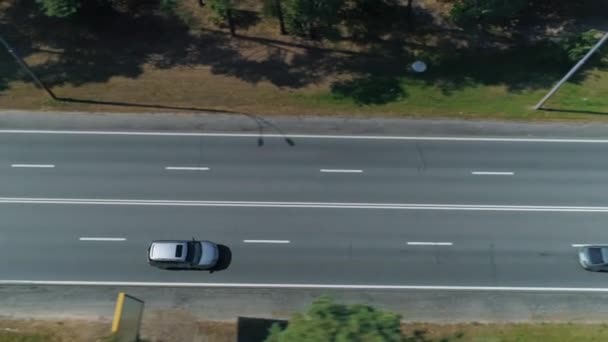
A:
(25, 67)
(571, 72)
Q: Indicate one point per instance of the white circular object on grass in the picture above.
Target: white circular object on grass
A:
(419, 66)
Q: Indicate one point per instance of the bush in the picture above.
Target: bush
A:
(59, 8)
(467, 13)
(576, 46)
(327, 321)
(168, 6)
(308, 17)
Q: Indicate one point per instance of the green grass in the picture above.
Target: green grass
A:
(24, 337)
(502, 86)
(527, 333)
(415, 332)
(507, 332)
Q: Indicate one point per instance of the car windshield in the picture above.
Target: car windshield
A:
(195, 252)
(596, 256)
(605, 254)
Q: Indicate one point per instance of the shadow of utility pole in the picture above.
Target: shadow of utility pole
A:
(573, 111)
(143, 105)
(260, 121)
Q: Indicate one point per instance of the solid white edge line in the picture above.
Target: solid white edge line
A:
(310, 136)
(430, 243)
(341, 171)
(316, 205)
(266, 241)
(46, 166)
(588, 244)
(101, 239)
(491, 173)
(306, 286)
(186, 168)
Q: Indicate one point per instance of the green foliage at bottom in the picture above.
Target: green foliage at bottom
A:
(328, 321)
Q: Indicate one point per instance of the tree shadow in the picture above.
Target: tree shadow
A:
(517, 69)
(121, 43)
(245, 19)
(105, 43)
(370, 90)
(9, 70)
(383, 21)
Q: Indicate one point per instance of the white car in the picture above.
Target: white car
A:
(594, 257)
(183, 254)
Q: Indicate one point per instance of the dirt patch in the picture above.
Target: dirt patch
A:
(55, 331)
(157, 326)
(182, 326)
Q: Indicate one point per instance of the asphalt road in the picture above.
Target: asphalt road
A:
(355, 212)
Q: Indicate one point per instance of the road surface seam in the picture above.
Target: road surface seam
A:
(327, 205)
(312, 136)
(308, 286)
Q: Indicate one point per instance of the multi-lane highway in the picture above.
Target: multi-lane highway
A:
(381, 212)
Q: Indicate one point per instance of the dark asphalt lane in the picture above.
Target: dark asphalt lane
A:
(133, 167)
(327, 246)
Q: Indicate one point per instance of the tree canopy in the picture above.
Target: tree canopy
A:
(59, 8)
(328, 321)
(307, 17)
(485, 12)
(66, 8)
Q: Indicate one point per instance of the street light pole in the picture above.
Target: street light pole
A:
(25, 67)
(571, 72)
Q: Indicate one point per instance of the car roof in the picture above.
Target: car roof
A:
(169, 251)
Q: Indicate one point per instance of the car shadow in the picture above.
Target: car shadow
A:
(225, 259)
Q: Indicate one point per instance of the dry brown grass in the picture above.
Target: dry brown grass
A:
(182, 326)
(57, 331)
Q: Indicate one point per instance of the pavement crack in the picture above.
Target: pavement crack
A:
(493, 262)
(421, 157)
(200, 151)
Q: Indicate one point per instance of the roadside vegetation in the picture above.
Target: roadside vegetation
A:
(175, 331)
(329, 321)
(485, 58)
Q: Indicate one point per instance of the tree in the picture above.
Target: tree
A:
(327, 321)
(59, 8)
(66, 8)
(410, 15)
(485, 12)
(308, 17)
(273, 8)
(370, 20)
(576, 45)
(224, 10)
(168, 5)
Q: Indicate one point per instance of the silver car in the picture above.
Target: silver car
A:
(183, 255)
(594, 257)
